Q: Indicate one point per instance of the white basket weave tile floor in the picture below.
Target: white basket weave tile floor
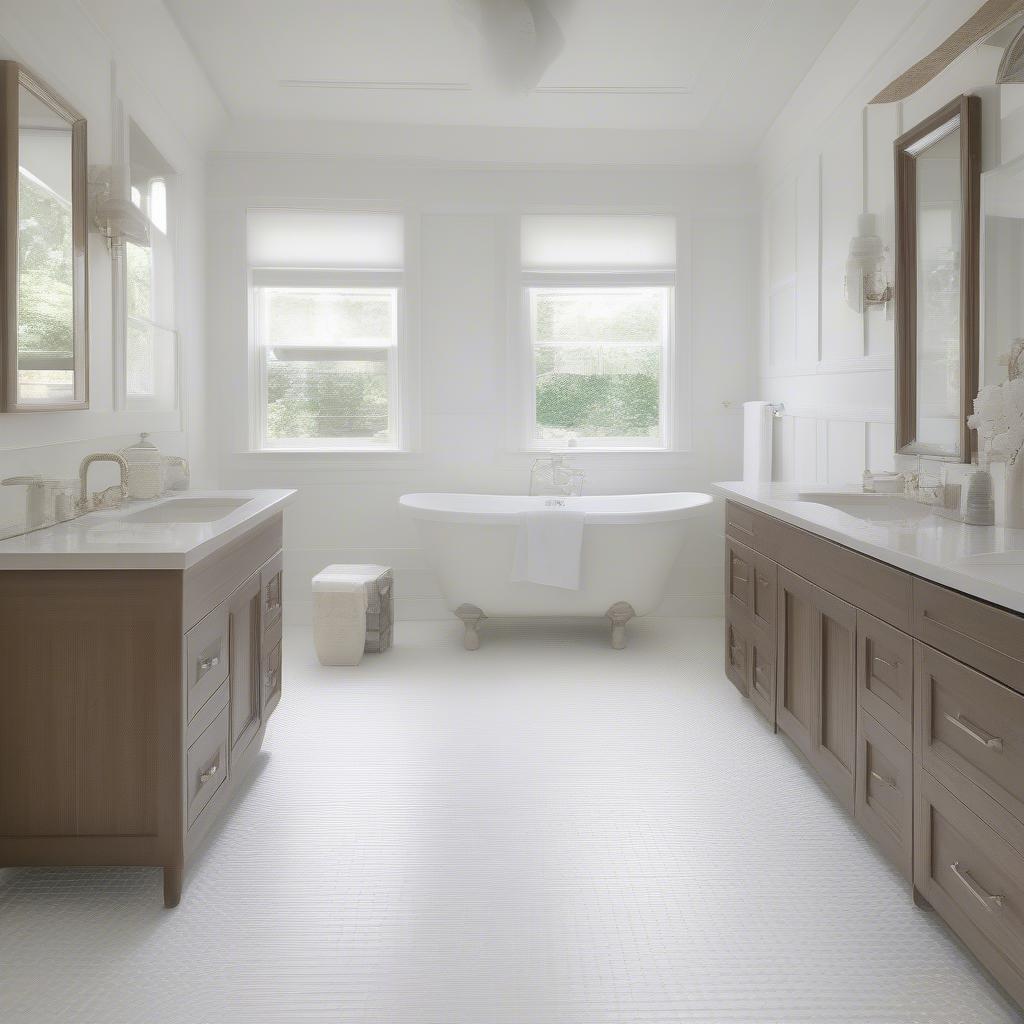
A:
(545, 831)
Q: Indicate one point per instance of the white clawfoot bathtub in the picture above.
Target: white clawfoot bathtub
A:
(630, 542)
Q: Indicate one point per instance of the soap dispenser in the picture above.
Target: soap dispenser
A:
(145, 469)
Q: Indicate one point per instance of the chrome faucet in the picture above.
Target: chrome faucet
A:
(83, 473)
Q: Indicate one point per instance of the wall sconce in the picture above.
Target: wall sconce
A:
(114, 215)
(867, 281)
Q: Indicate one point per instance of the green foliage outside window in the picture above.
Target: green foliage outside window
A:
(45, 282)
(307, 399)
(598, 391)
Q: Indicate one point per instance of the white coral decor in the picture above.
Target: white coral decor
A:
(999, 419)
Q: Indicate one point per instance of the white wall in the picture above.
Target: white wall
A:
(347, 506)
(89, 52)
(828, 157)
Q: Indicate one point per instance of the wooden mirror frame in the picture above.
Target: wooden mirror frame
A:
(968, 108)
(12, 77)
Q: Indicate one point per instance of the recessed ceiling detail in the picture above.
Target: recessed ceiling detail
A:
(290, 83)
(721, 69)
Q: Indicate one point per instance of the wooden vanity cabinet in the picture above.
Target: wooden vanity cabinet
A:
(750, 584)
(816, 689)
(244, 644)
(907, 698)
(134, 702)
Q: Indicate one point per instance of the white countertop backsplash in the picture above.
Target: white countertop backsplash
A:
(984, 561)
(105, 540)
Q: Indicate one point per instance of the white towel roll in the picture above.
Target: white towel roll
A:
(758, 419)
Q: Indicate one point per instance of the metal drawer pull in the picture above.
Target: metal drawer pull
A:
(740, 579)
(889, 664)
(763, 580)
(989, 901)
(884, 779)
(204, 777)
(205, 664)
(976, 733)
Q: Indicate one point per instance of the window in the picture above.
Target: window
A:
(326, 327)
(144, 276)
(598, 300)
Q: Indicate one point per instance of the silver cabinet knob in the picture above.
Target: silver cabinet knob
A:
(204, 777)
(205, 664)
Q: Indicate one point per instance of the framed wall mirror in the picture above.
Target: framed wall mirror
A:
(44, 345)
(938, 182)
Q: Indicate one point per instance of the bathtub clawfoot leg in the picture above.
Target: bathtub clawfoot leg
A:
(472, 618)
(619, 614)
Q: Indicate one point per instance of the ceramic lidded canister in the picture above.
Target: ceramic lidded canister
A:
(145, 469)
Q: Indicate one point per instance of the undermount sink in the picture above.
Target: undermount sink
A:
(186, 510)
(875, 508)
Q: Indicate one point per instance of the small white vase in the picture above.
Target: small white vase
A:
(1013, 495)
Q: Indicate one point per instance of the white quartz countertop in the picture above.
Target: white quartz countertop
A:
(984, 561)
(110, 539)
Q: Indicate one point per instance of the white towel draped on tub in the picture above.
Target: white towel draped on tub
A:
(548, 548)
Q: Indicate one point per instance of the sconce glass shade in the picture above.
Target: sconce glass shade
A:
(867, 278)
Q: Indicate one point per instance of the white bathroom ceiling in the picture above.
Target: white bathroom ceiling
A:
(720, 67)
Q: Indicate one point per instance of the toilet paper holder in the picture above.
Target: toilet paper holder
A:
(778, 408)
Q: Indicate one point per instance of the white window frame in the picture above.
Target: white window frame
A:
(119, 271)
(665, 404)
(264, 278)
(674, 384)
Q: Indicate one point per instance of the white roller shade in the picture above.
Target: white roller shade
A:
(319, 239)
(598, 241)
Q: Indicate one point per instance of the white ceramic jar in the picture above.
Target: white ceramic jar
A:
(145, 469)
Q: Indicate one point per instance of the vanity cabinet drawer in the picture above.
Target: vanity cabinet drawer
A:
(761, 680)
(989, 638)
(271, 579)
(271, 669)
(751, 580)
(970, 731)
(207, 764)
(974, 878)
(740, 570)
(885, 675)
(750, 662)
(206, 658)
(739, 523)
(737, 652)
(885, 790)
(851, 576)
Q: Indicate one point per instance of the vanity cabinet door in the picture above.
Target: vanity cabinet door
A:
(797, 617)
(834, 737)
(737, 653)
(271, 575)
(762, 673)
(740, 574)
(816, 691)
(244, 631)
(885, 675)
(764, 593)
